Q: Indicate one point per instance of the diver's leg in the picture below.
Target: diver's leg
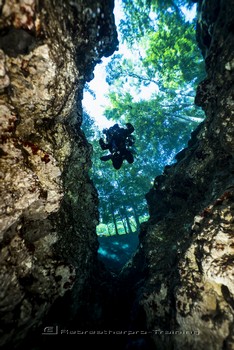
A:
(129, 157)
(117, 161)
(103, 144)
(105, 158)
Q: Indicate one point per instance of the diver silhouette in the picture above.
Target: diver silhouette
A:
(119, 142)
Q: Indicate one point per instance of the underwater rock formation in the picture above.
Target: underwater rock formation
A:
(184, 271)
(48, 50)
(177, 290)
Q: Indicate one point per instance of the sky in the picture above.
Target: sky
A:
(95, 106)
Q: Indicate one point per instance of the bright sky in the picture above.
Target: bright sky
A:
(95, 107)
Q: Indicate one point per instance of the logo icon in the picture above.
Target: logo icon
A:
(51, 330)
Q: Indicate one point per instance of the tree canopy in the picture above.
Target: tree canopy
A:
(166, 60)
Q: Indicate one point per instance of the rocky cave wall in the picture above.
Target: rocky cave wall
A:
(182, 276)
(48, 50)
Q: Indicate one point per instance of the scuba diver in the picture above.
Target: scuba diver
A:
(118, 141)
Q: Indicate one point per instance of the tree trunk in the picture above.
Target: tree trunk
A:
(128, 223)
(108, 229)
(122, 215)
(114, 220)
(136, 217)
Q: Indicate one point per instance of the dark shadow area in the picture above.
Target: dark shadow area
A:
(105, 316)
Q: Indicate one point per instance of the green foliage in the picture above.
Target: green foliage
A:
(121, 193)
(88, 126)
(166, 59)
(175, 62)
(137, 20)
(140, 16)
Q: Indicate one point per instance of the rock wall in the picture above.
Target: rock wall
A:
(181, 278)
(48, 205)
(177, 290)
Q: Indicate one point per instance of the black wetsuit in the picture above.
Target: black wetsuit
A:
(118, 141)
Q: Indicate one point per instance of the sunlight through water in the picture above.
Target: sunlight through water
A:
(95, 106)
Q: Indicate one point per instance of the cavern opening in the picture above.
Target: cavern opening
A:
(150, 82)
(139, 257)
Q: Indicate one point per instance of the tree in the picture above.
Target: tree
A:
(167, 58)
(176, 62)
(141, 15)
